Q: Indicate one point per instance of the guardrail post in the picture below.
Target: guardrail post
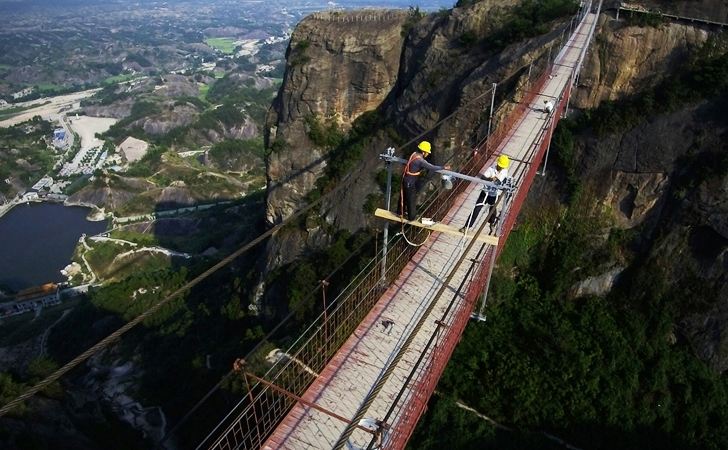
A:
(490, 116)
(549, 134)
(385, 232)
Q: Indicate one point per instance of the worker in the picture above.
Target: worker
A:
(412, 171)
(548, 107)
(489, 194)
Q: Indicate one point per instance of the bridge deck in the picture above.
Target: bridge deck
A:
(349, 377)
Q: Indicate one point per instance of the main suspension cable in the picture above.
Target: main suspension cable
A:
(156, 307)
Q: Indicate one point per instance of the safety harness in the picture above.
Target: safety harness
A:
(413, 157)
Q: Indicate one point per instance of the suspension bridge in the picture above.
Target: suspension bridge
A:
(361, 375)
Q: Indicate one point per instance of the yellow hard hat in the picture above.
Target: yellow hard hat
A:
(425, 147)
(503, 161)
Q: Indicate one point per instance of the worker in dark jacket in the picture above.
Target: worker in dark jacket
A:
(412, 171)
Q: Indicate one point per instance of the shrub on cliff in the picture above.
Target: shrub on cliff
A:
(705, 76)
(324, 133)
(529, 19)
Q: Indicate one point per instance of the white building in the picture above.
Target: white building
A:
(30, 195)
(31, 299)
(42, 183)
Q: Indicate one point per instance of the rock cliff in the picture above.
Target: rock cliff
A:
(626, 59)
(642, 169)
(642, 174)
(340, 65)
(716, 10)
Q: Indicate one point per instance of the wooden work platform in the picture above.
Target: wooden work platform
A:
(347, 380)
(437, 227)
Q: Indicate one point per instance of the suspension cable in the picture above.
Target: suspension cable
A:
(257, 346)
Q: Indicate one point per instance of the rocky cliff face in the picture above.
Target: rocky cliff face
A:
(716, 10)
(641, 174)
(626, 59)
(340, 65)
(642, 169)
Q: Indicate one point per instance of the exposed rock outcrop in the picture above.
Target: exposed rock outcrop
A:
(355, 66)
(597, 285)
(625, 59)
(174, 117)
(117, 110)
(112, 194)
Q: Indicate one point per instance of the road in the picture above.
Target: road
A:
(44, 338)
(108, 239)
(51, 111)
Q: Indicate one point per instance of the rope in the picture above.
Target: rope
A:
(153, 309)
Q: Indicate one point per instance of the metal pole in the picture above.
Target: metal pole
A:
(325, 283)
(490, 116)
(499, 229)
(548, 148)
(548, 56)
(561, 45)
(385, 233)
(568, 99)
(457, 175)
(487, 284)
(571, 25)
(252, 405)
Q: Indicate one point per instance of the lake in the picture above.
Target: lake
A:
(37, 241)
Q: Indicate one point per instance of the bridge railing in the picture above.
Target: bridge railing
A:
(407, 411)
(261, 409)
(543, 143)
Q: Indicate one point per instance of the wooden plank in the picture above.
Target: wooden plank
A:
(438, 227)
